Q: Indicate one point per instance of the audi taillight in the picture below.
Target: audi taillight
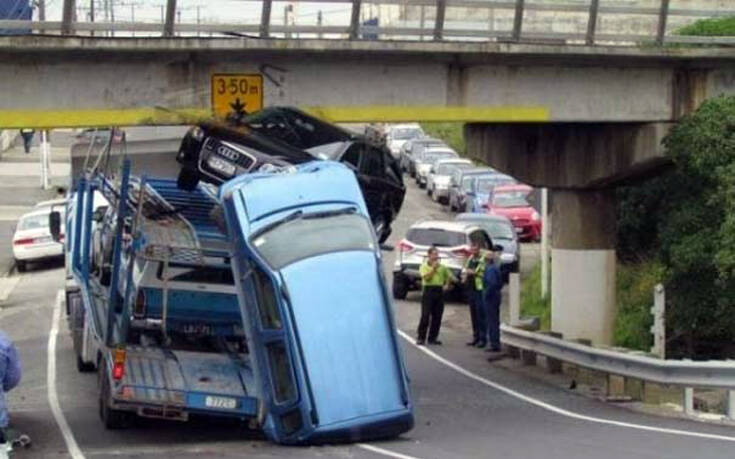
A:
(462, 252)
(139, 308)
(405, 246)
(118, 368)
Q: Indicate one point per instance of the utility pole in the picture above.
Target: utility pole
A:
(286, 10)
(91, 15)
(319, 23)
(112, 15)
(199, 8)
(544, 242)
(41, 13)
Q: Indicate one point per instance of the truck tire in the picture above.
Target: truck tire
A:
(187, 180)
(83, 367)
(400, 286)
(112, 419)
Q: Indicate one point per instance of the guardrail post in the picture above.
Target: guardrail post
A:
(688, 400)
(168, 24)
(355, 19)
(441, 8)
(592, 22)
(515, 299)
(67, 17)
(662, 16)
(731, 404)
(265, 19)
(553, 365)
(518, 20)
(528, 357)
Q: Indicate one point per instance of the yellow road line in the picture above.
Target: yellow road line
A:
(46, 119)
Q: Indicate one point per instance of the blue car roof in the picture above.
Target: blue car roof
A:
(315, 182)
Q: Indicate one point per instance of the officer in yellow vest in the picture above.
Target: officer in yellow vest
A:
(435, 280)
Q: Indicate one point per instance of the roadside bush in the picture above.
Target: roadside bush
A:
(721, 27)
(635, 283)
(532, 303)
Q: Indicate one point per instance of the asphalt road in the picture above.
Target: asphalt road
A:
(465, 406)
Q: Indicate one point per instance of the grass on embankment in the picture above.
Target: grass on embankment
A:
(635, 283)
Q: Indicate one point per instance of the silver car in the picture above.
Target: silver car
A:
(451, 238)
(437, 184)
(502, 233)
(427, 159)
(413, 148)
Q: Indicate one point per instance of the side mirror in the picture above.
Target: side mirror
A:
(54, 224)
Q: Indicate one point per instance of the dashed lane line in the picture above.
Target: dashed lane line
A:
(555, 409)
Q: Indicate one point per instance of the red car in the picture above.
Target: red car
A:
(511, 202)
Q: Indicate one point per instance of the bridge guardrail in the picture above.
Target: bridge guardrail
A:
(437, 28)
(683, 373)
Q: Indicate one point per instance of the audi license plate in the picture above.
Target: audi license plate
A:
(220, 165)
(226, 403)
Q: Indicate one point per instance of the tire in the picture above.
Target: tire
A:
(187, 180)
(112, 419)
(22, 265)
(400, 286)
(430, 193)
(83, 367)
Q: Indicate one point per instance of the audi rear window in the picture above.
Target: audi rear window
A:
(437, 237)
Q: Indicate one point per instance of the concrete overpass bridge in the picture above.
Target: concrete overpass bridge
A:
(579, 118)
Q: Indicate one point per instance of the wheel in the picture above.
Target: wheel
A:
(112, 419)
(422, 185)
(400, 286)
(22, 265)
(429, 192)
(83, 367)
(187, 180)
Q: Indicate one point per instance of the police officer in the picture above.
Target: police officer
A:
(493, 284)
(435, 280)
(472, 274)
(9, 378)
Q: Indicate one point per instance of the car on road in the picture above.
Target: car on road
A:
(309, 273)
(32, 241)
(428, 158)
(279, 137)
(437, 183)
(379, 177)
(399, 134)
(516, 208)
(452, 239)
(502, 233)
(461, 183)
(482, 189)
(412, 149)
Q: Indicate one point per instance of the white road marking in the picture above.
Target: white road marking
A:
(555, 409)
(53, 398)
(384, 452)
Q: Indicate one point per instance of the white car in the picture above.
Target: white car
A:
(398, 134)
(427, 160)
(437, 184)
(32, 240)
(452, 239)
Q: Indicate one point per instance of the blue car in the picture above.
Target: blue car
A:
(482, 190)
(315, 306)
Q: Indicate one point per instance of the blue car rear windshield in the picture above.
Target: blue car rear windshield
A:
(309, 236)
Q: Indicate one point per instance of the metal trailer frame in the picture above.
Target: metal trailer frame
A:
(101, 343)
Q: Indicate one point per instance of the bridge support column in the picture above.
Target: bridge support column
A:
(583, 302)
(581, 163)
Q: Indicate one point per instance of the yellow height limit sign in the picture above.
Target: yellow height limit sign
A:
(236, 94)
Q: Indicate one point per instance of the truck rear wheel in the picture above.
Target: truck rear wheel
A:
(112, 419)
